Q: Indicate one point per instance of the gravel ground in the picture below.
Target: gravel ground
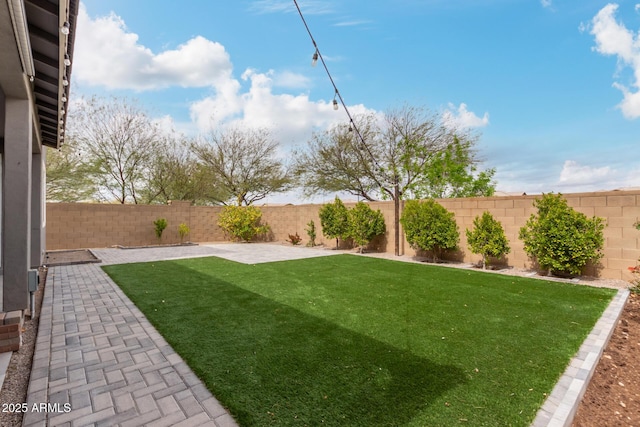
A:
(511, 271)
(16, 381)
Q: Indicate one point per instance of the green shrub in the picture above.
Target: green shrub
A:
(365, 224)
(560, 239)
(183, 230)
(334, 219)
(311, 232)
(242, 222)
(429, 226)
(160, 225)
(487, 238)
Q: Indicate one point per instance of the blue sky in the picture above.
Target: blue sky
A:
(552, 86)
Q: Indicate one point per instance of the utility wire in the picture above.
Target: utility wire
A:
(337, 92)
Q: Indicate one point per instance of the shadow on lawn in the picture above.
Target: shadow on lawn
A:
(271, 364)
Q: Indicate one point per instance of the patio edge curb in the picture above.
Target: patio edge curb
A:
(562, 404)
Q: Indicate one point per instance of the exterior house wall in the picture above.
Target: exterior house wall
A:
(72, 226)
(16, 204)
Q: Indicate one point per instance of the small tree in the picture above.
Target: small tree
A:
(365, 224)
(160, 225)
(487, 238)
(311, 232)
(242, 222)
(430, 227)
(561, 239)
(334, 219)
(453, 172)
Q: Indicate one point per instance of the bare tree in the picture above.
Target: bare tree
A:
(118, 139)
(244, 165)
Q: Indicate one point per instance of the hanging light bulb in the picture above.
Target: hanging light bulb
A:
(314, 59)
(67, 60)
(65, 82)
(335, 104)
(65, 28)
(64, 98)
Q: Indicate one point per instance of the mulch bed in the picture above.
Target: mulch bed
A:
(81, 256)
(613, 395)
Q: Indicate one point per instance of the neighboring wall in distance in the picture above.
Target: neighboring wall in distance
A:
(80, 225)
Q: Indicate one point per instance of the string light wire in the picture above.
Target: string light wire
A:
(333, 83)
(394, 179)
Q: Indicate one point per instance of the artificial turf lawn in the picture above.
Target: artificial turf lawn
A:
(350, 340)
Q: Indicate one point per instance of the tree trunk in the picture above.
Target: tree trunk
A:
(396, 217)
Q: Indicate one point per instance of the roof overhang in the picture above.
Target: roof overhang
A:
(36, 61)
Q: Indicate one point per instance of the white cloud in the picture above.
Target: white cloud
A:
(290, 80)
(630, 105)
(576, 177)
(460, 117)
(308, 7)
(583, 27)
(575, 174)
(614, 39)
(353, 23)
(291, 117)
(546, 3)
(107, 54)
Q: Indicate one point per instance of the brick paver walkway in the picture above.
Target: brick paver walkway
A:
(98, 354)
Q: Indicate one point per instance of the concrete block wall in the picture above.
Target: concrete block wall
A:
(72, 226)
(619, 209)
(87, 225)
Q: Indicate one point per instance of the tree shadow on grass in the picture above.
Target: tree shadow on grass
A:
(271, 364)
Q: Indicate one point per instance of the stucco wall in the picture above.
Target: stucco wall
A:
(72, 226)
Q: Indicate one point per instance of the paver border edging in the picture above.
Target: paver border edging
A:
(562, 404)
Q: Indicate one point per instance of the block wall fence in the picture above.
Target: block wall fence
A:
(82, 225)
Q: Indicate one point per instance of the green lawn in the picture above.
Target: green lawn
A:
(350, 340)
